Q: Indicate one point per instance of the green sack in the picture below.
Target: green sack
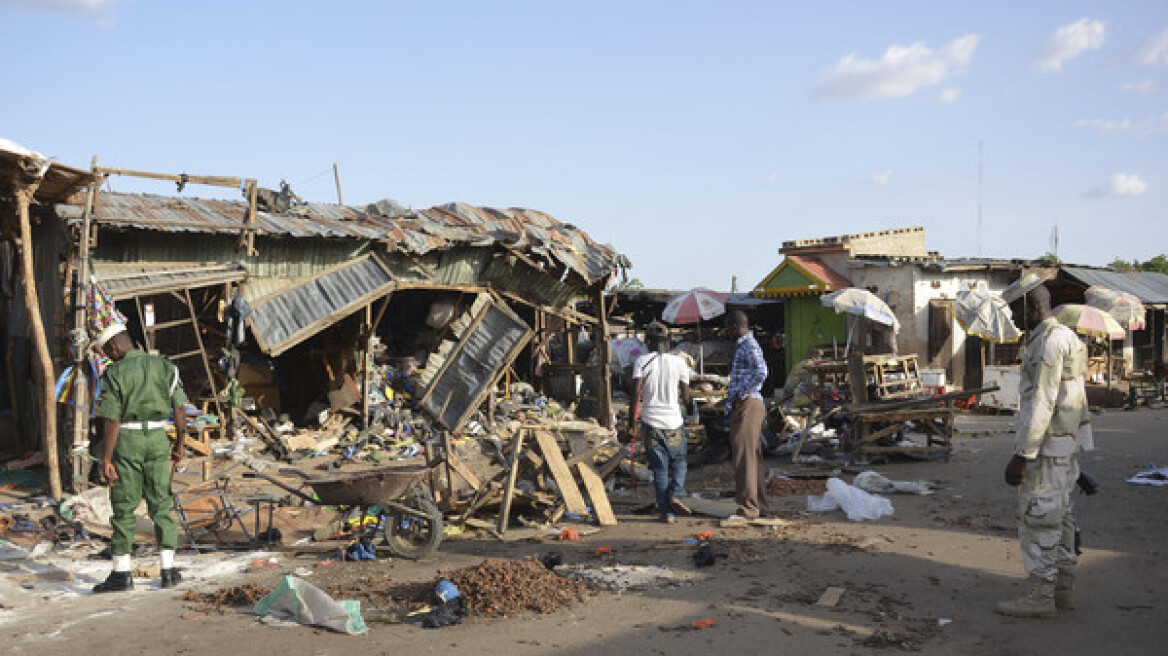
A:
(302, 601)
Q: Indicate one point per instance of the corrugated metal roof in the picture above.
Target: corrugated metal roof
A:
(124, 281)
(1148, 286)
(418, 232)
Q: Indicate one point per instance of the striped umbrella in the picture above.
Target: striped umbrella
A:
(1089, 320)
(694, 306)
(1127, 309)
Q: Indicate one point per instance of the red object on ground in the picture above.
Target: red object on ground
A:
(704, 535)
(703, 623)
(570, 535)
(600, 551)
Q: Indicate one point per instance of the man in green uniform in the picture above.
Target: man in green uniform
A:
(138, 393)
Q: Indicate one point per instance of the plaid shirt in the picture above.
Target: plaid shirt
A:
(748, 373)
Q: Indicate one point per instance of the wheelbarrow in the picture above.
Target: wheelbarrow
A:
(413, 524)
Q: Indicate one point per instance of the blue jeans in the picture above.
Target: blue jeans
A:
(666, 451)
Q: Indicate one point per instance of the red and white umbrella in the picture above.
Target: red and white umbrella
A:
(1127, 309)
(695, 306)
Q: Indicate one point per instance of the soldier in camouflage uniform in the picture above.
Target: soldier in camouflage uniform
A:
(1053, 427)
(138, 393)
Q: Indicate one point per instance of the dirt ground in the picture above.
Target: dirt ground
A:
(924, 579)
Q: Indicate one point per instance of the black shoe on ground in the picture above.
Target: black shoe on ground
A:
(115, 582)
(171, 577)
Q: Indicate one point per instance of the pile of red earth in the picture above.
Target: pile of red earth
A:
(502, 588)
(778, 487)
(225, 598)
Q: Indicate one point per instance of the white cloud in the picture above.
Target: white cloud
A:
(1120, 184)
(879, 179)
(101, 11)
(1147, 126)
(1143, 87)
(950, 95)
(901, 71)
(1070, 41)
(1155, 52)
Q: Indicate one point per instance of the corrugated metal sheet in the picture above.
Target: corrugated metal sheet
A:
(124, 281)
(283, 320)
(468, 368)
(280, 257)
(439, 228)
(1148, 286)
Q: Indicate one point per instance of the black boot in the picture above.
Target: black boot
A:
(170, 577)
(115, 582)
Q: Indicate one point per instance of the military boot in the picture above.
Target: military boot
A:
(170, 577)
(1038, 601)
(115, 582)
(1064, 590)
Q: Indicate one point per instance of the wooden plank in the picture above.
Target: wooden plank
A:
(830, 597)
(595, 487)
(550, 448)
(462, 470)
(509, 488)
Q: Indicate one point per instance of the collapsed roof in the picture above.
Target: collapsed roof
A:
(416, 232)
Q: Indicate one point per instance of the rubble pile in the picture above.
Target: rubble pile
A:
(778, 487)
(500, 588)
(223, 599)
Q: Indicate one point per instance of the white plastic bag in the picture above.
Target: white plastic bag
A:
(856, 503)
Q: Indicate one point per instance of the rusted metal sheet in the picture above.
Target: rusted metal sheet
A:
(420, 232)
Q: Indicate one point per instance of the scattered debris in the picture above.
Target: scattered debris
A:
(224, 599)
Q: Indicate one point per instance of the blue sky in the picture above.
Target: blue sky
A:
(695, 137)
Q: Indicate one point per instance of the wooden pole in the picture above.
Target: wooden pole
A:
(80, 339)
(337, 177)
(43, 373)
(604, 382)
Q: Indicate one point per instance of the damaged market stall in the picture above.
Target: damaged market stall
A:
(332, 307)
(27, 177)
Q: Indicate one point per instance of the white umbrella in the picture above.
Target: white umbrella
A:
(985, 315)
(861, 303)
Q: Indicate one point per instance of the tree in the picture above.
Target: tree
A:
(1123, 265)
(631, 283)
(1158, 264)
(1050, 258)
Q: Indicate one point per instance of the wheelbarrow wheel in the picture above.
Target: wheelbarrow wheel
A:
(411, 536)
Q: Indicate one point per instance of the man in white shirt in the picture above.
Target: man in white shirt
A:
(662, 380)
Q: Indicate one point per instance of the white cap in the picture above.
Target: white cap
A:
(108, 334)
(1021, 287)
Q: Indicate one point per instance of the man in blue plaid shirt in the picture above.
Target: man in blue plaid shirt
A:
(746, 410)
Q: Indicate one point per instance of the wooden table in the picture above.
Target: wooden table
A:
(869, 425)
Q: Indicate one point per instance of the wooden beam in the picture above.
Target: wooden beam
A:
(509, 489)
(554, 459)
(596, 492)
(43, 373)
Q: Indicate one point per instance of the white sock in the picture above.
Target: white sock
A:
(122, 563)
(167, 556)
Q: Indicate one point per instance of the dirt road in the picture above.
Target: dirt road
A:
(924, 579)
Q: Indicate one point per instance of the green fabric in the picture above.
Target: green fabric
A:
(142, 459)
(140, 387)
